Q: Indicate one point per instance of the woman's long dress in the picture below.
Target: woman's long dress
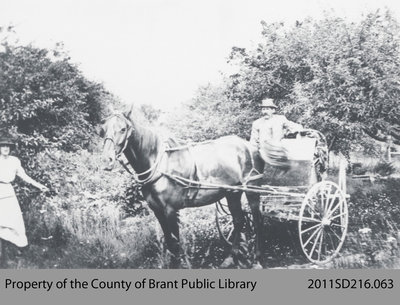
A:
(12, 226)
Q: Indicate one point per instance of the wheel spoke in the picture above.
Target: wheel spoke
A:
(336, 225)
(330, 213)
(337, 236)
(315, 243)
(310, 219)
(229, 234)
(227, 224)
(332, 242)
(320, 244)
(312, 208)
(327, 193)
(312, 235)
(224, 223)
(336, 216)
(317, 214)
(322, 201)
(331, 202)
(310, 228)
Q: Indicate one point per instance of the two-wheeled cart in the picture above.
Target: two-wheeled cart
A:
(318, 207)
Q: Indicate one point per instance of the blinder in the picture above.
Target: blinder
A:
(128, 133)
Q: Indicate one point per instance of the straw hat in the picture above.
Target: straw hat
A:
(6, 140)
(268, 102)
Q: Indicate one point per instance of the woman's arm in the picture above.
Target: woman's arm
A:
(21, 173)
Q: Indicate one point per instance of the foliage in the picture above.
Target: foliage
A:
(335, 76)
(374, 232)
(385, 168)
(209, 115)
(339, 77)
(45, 100)
(45, 103)
(151, 113)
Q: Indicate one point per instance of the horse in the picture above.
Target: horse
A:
(174, 177)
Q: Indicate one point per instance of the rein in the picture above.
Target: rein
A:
(151, 171)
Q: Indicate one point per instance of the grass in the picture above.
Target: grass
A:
(97, 219)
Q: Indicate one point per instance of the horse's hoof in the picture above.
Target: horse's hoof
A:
(228, 262)
(175, 264)
(257, 266)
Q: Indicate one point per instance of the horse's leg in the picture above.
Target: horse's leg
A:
(173, 242)
(2, 253)
(235, 208)
(171, 233)
(254, 203)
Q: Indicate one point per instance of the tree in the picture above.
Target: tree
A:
(209, 115)
(338, 77)
(45, 100)
(150, 112)
(341, 78)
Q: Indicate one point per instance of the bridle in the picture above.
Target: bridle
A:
(128, 133)
(136, 176)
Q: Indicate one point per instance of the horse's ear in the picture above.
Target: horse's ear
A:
(99, 130)
(129, 112)
(111, 109)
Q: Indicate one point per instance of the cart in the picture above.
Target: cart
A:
(318, 207)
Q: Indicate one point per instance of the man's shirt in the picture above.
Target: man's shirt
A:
(272, 130)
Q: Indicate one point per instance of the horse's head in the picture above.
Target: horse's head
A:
(116, 131)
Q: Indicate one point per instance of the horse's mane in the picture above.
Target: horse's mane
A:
(173, 142)
(150, 134)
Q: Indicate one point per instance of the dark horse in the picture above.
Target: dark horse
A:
(167, 170)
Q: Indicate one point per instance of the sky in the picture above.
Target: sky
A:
(160, 51)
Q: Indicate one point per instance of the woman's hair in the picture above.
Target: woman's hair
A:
(11, 146)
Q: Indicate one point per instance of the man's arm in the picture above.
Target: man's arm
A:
(291, 127)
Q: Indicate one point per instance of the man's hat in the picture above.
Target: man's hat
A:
(268, 102)
(5, 140)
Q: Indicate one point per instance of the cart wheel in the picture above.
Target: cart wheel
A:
(224, 221)
(323, 222)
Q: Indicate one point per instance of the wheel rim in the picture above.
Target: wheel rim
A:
(323, 222)
(224, 221)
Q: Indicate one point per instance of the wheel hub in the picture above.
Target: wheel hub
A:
(325, 221)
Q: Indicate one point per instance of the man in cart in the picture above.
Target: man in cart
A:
(267, 133)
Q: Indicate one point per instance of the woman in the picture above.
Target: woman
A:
(12, 226)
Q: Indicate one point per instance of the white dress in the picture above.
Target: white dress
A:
(12, 226)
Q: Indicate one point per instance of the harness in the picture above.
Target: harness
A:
(187, 183)
(191, 186)
(151, 171)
